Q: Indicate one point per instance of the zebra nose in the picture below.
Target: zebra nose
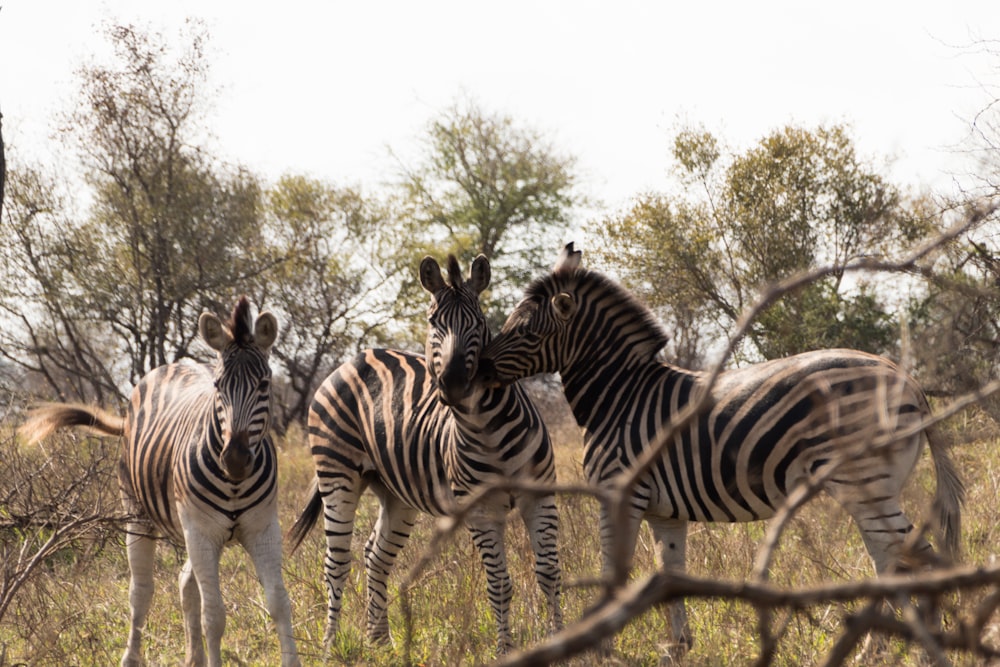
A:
(237, 459)
(454, 384)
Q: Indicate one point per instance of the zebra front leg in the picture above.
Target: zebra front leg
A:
(264, 548)
(203, 556)
(388, 537)
(670, 536)
(141, 551)
(618, 541)
(541, 519)
(194, 650)
(488, 537)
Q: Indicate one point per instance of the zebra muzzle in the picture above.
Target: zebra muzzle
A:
(454, 385)
(237, 459)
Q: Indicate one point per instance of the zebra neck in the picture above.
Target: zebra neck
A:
(213, 433)
(600, 395)
(487, 423)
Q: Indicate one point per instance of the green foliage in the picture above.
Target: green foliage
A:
(115, 291)
(328, 283)
(796, 200)
(486, 185)
(101, 298)
(957, 320)
(817, 317)
(672, 260)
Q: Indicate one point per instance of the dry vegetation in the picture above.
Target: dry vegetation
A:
(72, 608)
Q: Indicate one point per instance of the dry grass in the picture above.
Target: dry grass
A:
(74, 609)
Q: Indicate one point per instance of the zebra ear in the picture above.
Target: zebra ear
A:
(569, 260)
(430, 274)
(265, 330)
(213, 332)
(564, 305)
(479, 274)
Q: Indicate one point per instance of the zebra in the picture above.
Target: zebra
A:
(768, 427)
(198, 467)
(424, 438)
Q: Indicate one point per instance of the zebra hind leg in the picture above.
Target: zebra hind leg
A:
(541, 519)
(340, 503)
(670, 536)
(387, 539)
(886, 532)
(875, 508)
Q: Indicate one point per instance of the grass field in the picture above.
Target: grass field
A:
(73, 609)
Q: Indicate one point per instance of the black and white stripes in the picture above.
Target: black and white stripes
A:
(424, 436)
(767, 429)
(198, 467)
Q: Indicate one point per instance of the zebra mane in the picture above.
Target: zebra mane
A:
(240, 324)
(454, 272)
(592, 287)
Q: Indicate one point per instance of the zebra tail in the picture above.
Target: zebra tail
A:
(49, 417)
(950, 494)
(307, 519)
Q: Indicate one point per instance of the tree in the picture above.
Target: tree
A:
(168, 234)
(798, 199)
(956, 322)
(170, 231)
(486, 185)
(48, 336)
(332, 291)
(3, 167)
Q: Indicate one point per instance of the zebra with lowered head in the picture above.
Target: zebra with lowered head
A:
(767, 428)
(424, 437)
(199, 468)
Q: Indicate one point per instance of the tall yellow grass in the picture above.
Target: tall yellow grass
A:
(74, 609)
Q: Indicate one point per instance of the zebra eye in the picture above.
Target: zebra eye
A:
(263, 384)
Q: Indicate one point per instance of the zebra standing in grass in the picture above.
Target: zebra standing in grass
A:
(768, 427)
(199, 468)
(424, 437)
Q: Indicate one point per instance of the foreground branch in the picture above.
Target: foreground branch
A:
(612, 615)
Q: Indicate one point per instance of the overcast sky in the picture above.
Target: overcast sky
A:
(324, 87)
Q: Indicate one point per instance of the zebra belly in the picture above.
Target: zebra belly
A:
(699, 497)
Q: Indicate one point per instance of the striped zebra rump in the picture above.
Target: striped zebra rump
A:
(769, 428)
(374, 417)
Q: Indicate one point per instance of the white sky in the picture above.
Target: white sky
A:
(323, 88)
